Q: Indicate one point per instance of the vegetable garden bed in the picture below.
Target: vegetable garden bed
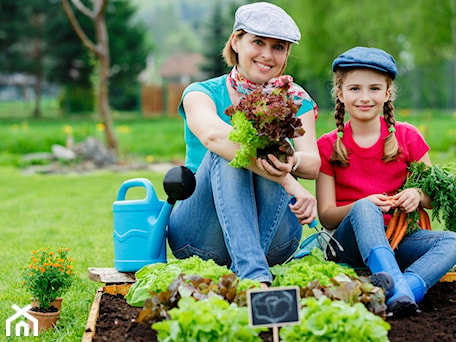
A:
(112, 319)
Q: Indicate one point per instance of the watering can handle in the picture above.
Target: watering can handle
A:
(137, 182)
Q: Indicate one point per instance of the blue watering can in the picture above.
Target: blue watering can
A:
(140, 226)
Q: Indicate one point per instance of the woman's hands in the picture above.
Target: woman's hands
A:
(277, 168)
(304, 206)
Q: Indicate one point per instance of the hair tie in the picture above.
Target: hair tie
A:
(392, 129)
(340, 134)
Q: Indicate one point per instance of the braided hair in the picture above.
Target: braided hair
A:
(340, 154)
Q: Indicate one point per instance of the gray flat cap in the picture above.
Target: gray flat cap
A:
(368, 58)
(266, 20)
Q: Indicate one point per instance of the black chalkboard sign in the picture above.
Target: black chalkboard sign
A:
(275, 306)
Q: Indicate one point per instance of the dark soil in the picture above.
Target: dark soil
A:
(435, 322)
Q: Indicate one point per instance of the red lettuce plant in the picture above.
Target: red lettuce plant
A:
(263, 123)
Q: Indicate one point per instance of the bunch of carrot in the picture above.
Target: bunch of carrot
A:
(397, 226)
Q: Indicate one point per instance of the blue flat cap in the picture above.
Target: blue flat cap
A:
(266, 20)
(367, 57)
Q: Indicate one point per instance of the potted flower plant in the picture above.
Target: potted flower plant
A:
(47, 277)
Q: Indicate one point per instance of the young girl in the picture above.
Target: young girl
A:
(364, 164)
(241, 217)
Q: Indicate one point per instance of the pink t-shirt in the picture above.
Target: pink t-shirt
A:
(367, 174)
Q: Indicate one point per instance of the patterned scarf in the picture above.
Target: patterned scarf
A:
(295, 92)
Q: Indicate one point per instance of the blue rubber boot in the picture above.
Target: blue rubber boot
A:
(401, 302)
(417, 285)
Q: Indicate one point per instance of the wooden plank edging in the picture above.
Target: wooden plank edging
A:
(450, 276)
(89, 331)
(109, 275)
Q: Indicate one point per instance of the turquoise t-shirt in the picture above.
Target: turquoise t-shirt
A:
(216, 89)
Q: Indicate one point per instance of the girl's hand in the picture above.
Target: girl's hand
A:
(277, 169)
(384, 202)
(304, 206)
(407, 200)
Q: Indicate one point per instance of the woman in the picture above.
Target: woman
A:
(241, 217)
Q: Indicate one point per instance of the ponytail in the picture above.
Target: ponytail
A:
(340, 155)
(391, 146)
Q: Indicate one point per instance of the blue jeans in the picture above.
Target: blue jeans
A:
(429, 254)
(236, 218)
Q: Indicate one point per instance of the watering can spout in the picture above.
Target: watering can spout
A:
(179, 184)
(159, 229)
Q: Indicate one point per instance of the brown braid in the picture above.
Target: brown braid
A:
(340, 155)
(391, 146)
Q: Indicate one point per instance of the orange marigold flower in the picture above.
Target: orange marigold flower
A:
(42, 269)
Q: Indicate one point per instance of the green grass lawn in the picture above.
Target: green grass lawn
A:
(75, 211)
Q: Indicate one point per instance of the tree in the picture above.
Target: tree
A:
(23, 42)
(217, 34)
(101, 51)
(421, 36)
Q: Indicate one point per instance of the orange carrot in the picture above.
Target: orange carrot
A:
(392, 224)
(399, 232)
(400, 222)
(422, 220)
(426, 219)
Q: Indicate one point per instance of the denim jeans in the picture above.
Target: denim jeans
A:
(236, 218)
(429, 254)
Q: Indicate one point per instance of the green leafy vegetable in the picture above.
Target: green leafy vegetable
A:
(213, 319)
(262, 124)
(317, 277)
(156, 278)
(440, 185)
(156, 307)
(300, 272)
(326, 320)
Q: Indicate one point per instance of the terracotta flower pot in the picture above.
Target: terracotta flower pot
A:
(57, 303)
(45, 320)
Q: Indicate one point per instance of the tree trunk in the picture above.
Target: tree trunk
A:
(101, 50)
(103, 90)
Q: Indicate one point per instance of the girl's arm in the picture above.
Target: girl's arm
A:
(329, 214)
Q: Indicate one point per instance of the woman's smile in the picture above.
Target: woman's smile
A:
(263, 66)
